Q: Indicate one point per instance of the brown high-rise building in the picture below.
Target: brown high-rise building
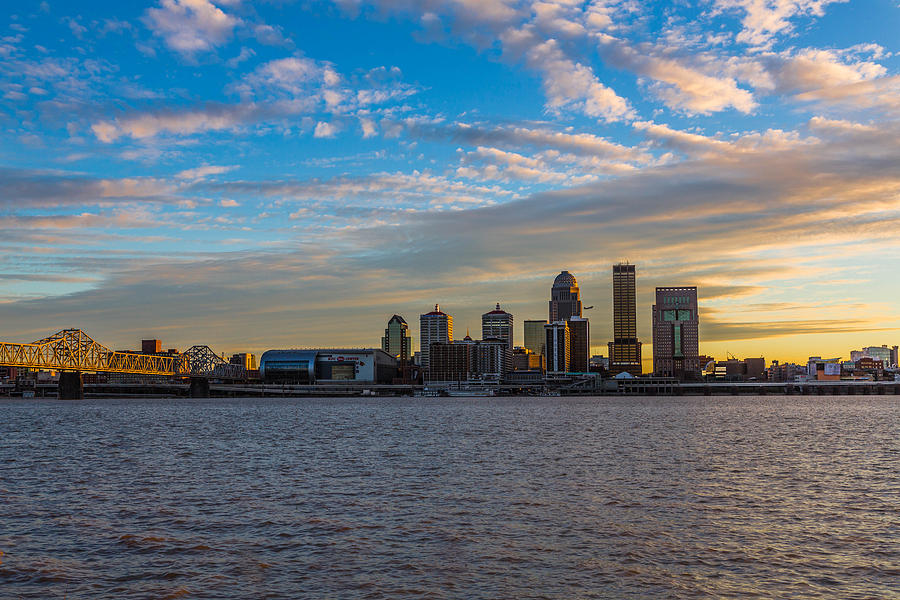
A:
(579, 345)
(625, 349)
(451, 361)
(565, 298)
(151, 346)
(676, 339)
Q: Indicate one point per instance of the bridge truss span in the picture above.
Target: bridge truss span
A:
(201, 360)
(74, 350)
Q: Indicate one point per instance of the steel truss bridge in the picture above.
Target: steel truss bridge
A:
(74, 350)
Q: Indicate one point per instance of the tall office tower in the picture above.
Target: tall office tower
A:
(565, 299)
(435, 326)
(396, 340)
(556, 345)
(676, 340)
(535, 339)
(625, 349)
(498, 325)
(579, 344)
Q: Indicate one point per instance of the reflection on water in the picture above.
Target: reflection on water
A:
(451, 498)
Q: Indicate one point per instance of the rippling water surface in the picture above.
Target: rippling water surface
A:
(451, 498)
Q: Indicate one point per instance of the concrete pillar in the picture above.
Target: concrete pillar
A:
(71, 386)
(199, 387)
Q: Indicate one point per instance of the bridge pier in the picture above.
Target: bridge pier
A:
(71, 386)
(199, 387)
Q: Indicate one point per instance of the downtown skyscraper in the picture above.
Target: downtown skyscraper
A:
(676, 337)
(565, 298)
(434, 327)
(535, 340)
(625, 349)
(565, 308)
(396, 340)
(497, 324)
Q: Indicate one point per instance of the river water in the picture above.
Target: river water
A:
(451, 498)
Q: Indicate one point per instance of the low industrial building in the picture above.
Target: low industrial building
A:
(363, 365)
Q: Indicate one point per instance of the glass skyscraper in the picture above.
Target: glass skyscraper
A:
(535, 339)
(396, 340)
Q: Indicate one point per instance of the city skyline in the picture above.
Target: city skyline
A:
(229, 173)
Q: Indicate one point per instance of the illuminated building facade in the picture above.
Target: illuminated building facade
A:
(434, 327)
(676, 339)
(625, 349)
(565, 298)
(534, 336)
(396, 340)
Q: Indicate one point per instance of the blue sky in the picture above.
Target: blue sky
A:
(257, 175)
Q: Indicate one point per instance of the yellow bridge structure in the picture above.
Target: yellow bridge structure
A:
(73, 351)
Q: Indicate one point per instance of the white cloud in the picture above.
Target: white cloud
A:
(294, 75)
(280, 89)
(368, 127)
(812, 69)
(191, 26)
(145, 125)
(678, 84)
(245, 54)
(405, 191)
(882, 94)
(269, 35)
(25, 188)
(582, 144)
(202, 172)
(572, 85)
(764, 19)
(325, 130)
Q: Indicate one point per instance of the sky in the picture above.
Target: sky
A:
(255, 175)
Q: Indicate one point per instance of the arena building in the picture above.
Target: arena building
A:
(365, 365)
